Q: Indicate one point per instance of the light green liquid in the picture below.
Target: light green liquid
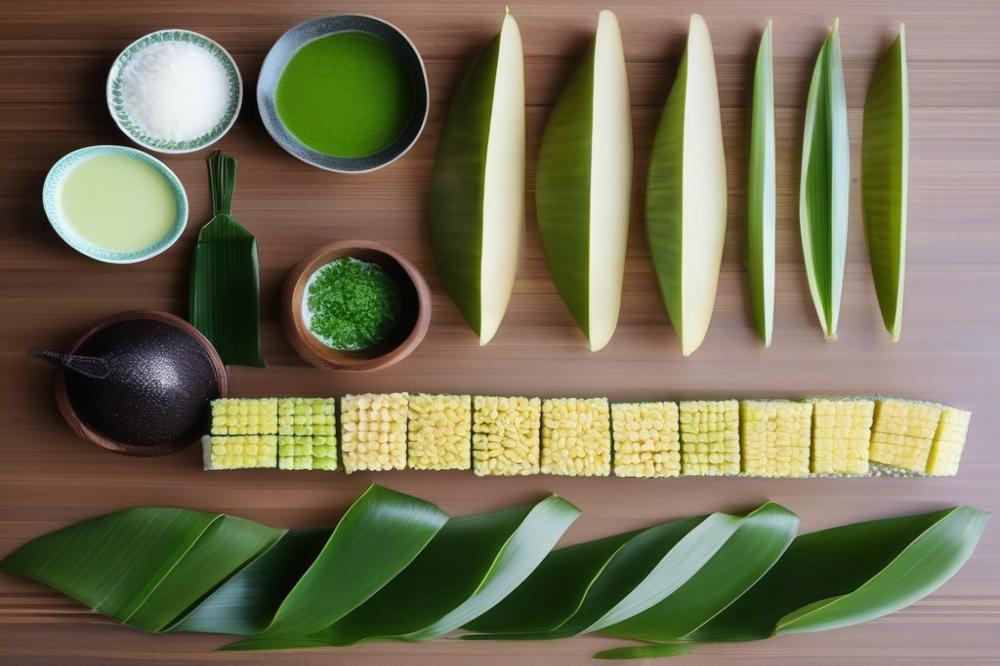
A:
(118, 203)
(348, 94)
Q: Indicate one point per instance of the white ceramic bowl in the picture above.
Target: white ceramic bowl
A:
(159, 144)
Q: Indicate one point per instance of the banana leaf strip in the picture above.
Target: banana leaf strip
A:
(851, 574)
(602, 583)
(483, 557)
(761, 537)
(397, 568)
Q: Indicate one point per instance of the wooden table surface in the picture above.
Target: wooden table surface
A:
(54, 57)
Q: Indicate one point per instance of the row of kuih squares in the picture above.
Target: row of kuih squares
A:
(505, 436)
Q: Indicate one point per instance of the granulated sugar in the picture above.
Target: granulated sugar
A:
(175, 91)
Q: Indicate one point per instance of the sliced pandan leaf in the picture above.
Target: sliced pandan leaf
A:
(825, 184)
(686, 193)
(884, 164)
(761, 194)
(584, 182)
(477, 187)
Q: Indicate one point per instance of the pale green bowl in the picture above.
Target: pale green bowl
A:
(50, 201)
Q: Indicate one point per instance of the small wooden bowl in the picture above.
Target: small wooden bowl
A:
(84, 431)
(413, 325)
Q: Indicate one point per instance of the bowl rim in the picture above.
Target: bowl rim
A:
(215, 134)
(313, 157)
(84, 431)
(50, 203)
(299, 336)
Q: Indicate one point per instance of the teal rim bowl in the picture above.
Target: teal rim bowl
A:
(159, 144)
(50, 201)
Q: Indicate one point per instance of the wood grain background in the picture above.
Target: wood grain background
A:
(54, 58)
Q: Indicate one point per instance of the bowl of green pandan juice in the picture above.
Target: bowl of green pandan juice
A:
(346, 93)
(115, 204)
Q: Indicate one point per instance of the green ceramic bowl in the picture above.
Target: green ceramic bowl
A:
(53, 209)
(160, 144)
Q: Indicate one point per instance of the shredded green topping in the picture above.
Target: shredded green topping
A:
(353, 304)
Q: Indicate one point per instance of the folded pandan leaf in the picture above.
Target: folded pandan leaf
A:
(583, 186)
(477, 186)
(686, 192)
(395, 569)
(759, 540)
(245, 604)
(482, 557)
(824, 185)
(761, 191)
(619, 582)
(884, 173)
(126, 564)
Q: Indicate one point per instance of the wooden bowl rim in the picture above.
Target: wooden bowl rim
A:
(84, 431)
(310, 349)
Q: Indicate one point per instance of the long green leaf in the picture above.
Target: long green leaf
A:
(884, 174)
(645, 568)
(115, 563)
(225, 275)
(759, 540)
(689, 581)
(245, 604)
(483, 558)
(851, 574)
(686, 192)
(645, 652)
(378, 537)
(227, 545)
(477, 186)
(824, 185)
(761, 194)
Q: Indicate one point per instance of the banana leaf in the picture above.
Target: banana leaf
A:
(760, 538)
(824, 185)
(245, 604)
(395, 569)
(686, 192)
(851, 574)
(482, 557)
(836, 578)
(603, 583)
(884, 174)
(761, 190)
(123, 564)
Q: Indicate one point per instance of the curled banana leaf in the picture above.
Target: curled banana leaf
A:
(839, 577)
(609, 583)
(397, 568)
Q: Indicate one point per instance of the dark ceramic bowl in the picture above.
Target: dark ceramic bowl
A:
(286, 47)
(199, 351)
(413, 324)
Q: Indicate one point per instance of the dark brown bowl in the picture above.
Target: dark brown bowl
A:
(413, 324)
(85, 431)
